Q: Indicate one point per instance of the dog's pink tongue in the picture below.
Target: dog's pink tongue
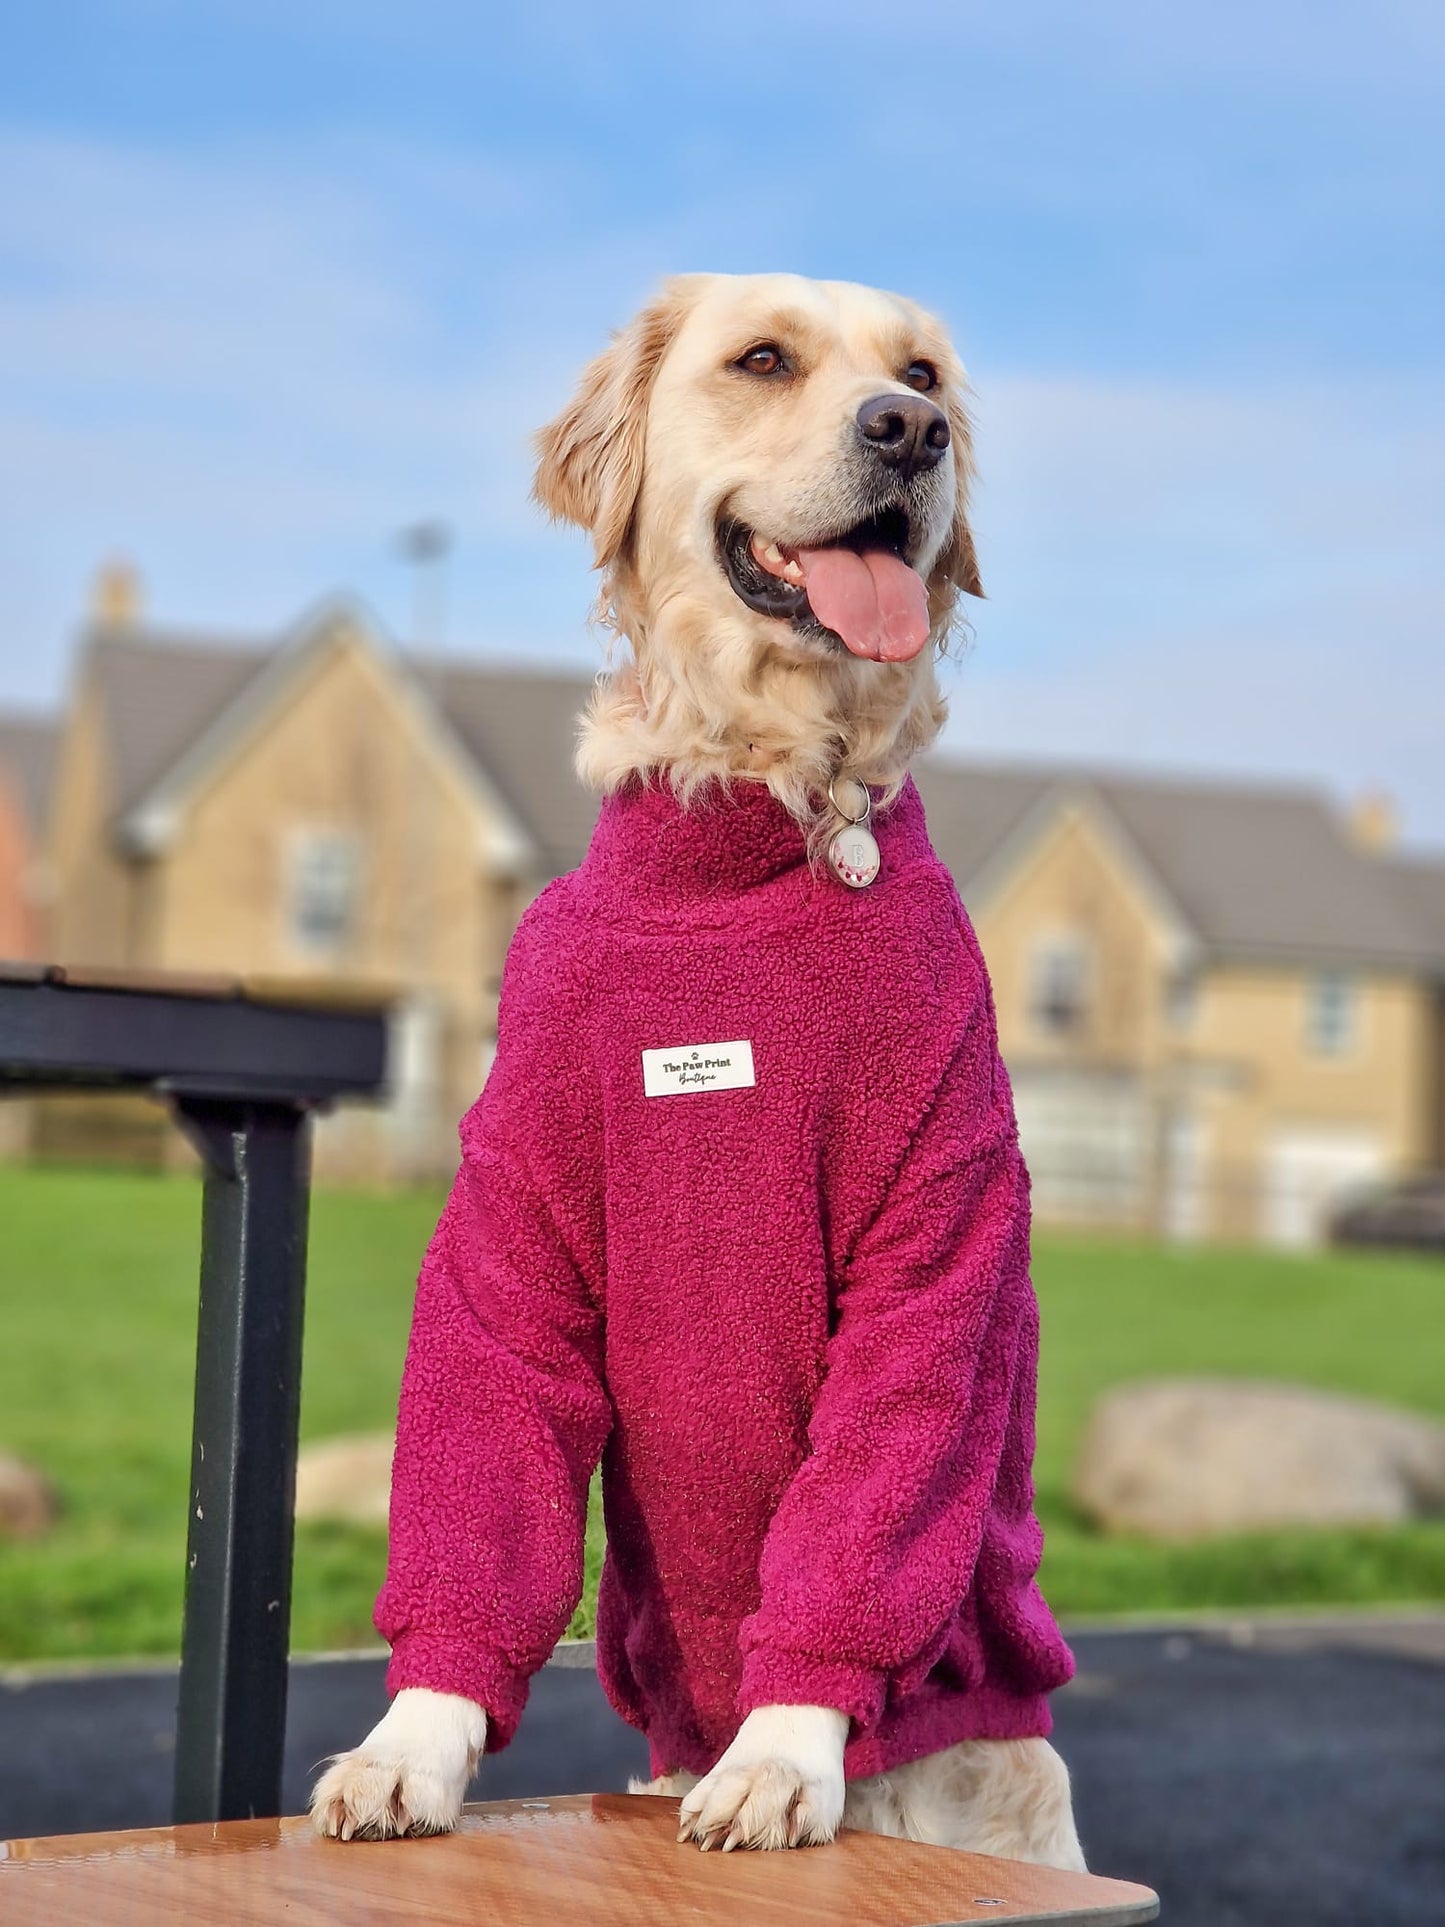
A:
(874, 601)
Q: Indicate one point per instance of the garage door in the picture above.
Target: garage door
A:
(1308, 1171)
(1086, 1137)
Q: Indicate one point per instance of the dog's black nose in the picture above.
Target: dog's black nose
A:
(905, 431)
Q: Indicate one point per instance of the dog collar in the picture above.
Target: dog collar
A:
(853, 853)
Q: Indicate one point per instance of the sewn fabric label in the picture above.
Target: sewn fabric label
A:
(689, 1068)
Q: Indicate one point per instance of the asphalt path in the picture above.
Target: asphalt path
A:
(1267, 1772)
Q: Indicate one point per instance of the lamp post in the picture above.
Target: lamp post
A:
(426, 546)
(416, 1031)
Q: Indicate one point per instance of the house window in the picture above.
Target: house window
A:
(1058, 986)
(1182, 1000)
(323, 893)
(1331, 1014)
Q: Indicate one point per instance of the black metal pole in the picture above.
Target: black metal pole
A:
(231, 1720)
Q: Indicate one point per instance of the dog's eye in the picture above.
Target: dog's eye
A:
(921, 375)
(765, 359)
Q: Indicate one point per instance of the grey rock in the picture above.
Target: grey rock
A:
(1185, 1458)
(347, 1479)
(28, 1502)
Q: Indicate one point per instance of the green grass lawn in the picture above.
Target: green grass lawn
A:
(97, 1299)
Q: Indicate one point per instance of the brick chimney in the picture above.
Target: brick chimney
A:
(1373, 822)
(115, 596)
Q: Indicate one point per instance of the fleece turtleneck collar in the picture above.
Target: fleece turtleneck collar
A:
(724, 844)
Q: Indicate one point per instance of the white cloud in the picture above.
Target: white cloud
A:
(240, 368)
(1235, 498)
(249, 367)
(1240, 582)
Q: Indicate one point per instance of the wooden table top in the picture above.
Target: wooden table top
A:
(606, 1860)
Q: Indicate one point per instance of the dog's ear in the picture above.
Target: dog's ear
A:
(589, 460)
(959, 561)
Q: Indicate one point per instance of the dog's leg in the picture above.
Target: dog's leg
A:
(780, 1783)
(667, 1786)
(1006, 1797)
(409, 1775)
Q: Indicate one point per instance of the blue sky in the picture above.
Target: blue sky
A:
(275, 280)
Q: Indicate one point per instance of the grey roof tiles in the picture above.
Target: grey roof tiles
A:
(1248, 869)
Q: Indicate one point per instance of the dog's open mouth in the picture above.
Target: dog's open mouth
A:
(857, 587)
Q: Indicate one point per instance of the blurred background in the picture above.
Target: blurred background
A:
(289, 667)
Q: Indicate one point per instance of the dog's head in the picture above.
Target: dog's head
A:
(775, 473)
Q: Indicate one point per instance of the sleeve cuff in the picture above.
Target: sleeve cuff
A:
(773, 1678)
(474, 1673)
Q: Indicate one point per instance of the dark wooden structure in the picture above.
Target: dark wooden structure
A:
(243, 1072)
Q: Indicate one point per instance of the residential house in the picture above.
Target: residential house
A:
(27, 755)
(321, 814)
(1221, 1006)
(27, 758)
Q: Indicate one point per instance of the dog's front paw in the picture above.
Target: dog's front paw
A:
(409, 1775)
(780, 1783)
(364, 1795)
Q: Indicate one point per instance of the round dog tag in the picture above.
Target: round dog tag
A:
(853, 856)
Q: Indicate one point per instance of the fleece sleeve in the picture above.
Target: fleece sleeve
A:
(873, 1545)
(503, 1414)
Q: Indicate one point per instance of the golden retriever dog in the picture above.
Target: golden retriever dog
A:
(775, 474)
(716, 507)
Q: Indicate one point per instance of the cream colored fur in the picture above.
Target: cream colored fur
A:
(1006, 1797)
(661, 441)
(409, 1775)
(779, 1784)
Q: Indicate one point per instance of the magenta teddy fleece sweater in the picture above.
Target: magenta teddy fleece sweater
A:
(788, 1307)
